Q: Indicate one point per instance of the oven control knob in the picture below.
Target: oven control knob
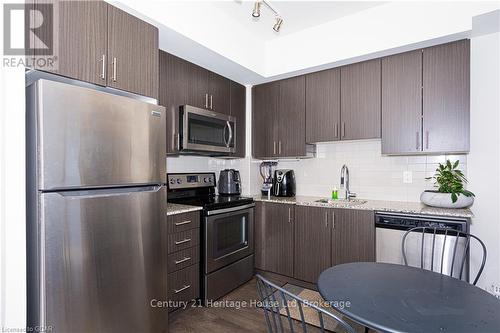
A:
(206, 180)
(179, 181)
(172, 181)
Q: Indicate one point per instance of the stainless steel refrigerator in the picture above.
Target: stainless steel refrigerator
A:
(96, 199)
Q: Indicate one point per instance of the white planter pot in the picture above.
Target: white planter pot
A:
(443, 200)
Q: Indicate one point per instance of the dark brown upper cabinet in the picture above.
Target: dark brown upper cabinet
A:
(279, 119)
(353, 236)
(209, 90)
(101, 44)
(219, 91)
(446, 97)
(323, 106)
(238, 110)
(360, 100)
(425, 100)
(313, 236)
(265, 99)
(133, 54)
(402, 103)
(274, 237)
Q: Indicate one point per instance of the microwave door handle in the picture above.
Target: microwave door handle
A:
(224, 136)
(230, 133)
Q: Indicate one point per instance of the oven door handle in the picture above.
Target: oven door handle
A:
(228, 210)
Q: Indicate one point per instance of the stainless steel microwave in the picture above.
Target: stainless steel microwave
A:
(206, 131)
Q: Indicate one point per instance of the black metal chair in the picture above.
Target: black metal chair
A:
(443, 253)
(274, 298)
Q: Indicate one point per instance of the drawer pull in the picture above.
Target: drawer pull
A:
(181, 223)
(177, 262)
(182, 241)
(176, 291)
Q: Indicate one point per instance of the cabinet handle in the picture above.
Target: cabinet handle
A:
(343, 129)
(206, 101)
(333, 220)
(178, 141)
(336, 130)
(177, 262)
(418, 141)
(274, 147)
(279, 147)
(426, 139)
(289, 215)
(114, 69)
(211, 102)
(181, 223)
(176, 291)
(103, 69)
(182, 241)
(326, 219)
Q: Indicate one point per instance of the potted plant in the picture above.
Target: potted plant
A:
(451, 193)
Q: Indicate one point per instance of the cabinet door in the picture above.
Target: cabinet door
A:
(360, 100)
(353, 236)
(274, 237)
(133, 54)
(402, 103)
(446, 97)
(238, 110)
(264, 108)
(219, 89)
(323, 106)
(291, 117)
(312, 242)
(198, 86)
(81, 44)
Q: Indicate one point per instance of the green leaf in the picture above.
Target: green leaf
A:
(456, 164)
(454, 197)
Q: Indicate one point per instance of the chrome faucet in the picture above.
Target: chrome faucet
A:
(344, 181)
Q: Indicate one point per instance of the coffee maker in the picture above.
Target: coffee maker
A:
(267, 172)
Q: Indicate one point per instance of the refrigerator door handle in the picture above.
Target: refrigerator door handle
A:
(98, 192)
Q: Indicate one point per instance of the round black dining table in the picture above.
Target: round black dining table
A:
(397, 298)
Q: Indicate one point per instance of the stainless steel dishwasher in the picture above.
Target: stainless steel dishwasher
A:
(390, 228)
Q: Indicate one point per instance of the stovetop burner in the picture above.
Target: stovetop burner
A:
(214, 202)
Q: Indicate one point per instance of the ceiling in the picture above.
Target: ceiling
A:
(297, 15)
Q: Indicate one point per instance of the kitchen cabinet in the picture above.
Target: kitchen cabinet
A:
(219, 91)
(274, 237)
(264, 106)
(132, 54)
(279, 119)
(312, 253)
(323, 106)
(353, 236)
(360, 100)
(425, 100)
(446, 98)
(238, 110)
(402, 103)
(101, 44)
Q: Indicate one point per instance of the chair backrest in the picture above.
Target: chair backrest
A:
(441, 250)
(274, 299)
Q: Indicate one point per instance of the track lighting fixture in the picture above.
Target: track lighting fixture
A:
(256, 9)
(256, 13)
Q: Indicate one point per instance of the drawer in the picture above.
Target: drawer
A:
(183, 259)
(184, 285)
(182, 222)
(183, 240)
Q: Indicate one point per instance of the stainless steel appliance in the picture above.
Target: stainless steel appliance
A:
(390, 229)
(227, 232)
(284, 183)
(96, 199)
(204, 131)
(267, 172)
(229, 182)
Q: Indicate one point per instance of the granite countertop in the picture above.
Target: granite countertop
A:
(173, 209)
(375, 205)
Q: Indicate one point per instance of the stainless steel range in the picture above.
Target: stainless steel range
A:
(227, 232)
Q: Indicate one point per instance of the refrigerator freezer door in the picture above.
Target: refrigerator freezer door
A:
(102, 262)
(88, 138)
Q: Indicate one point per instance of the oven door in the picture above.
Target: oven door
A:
(228, 236)
(204, 130)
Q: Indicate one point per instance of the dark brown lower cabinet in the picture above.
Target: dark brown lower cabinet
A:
(274, 237)
(312, 242)
(353, 236)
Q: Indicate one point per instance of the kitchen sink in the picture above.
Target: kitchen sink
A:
(342, 202)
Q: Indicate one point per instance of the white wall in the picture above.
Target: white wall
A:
(484, 158)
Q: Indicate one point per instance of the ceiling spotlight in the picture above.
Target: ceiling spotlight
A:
(277, 25)
(256, 9)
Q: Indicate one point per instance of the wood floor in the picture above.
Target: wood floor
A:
(226, 320)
